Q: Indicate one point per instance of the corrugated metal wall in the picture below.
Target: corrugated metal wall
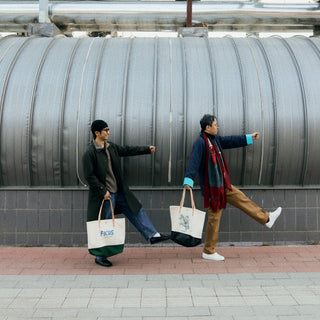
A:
(154, 91)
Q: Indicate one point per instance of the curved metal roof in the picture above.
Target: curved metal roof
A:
(154, 92)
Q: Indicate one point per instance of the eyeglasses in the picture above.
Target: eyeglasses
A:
(106, 129)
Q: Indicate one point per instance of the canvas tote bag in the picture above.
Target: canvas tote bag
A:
(106, 237)
(186, 223)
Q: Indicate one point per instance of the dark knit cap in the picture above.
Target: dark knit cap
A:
(98, 125)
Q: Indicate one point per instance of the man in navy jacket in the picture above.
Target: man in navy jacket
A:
(208, 161)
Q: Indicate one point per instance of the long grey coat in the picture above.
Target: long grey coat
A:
(95, 166)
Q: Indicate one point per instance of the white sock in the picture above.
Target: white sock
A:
(156, 235)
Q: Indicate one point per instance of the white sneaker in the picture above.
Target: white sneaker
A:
(273, 217)
(215, 256)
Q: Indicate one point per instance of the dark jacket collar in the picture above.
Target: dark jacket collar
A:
(98, 147)
(210, 136)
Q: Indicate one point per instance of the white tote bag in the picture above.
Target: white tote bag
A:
(186, 223)
(106, 237)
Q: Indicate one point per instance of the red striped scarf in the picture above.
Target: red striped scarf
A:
(216, 177)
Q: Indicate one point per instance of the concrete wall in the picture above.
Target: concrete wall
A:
(56, 217)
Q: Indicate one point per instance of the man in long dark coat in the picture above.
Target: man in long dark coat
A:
(102, 170)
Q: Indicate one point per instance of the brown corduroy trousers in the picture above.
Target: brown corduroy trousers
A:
(239, 200)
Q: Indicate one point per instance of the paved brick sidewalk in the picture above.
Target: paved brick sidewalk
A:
(161, 283)
(160, 260)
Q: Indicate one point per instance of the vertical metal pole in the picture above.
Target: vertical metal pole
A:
(189, 13)
(43, 11)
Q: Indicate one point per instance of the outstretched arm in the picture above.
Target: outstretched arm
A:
(126, 151)
(229, 142)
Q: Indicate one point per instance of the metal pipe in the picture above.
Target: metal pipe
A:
(48, 91)
(147, 16)
(189, 13)
(43, 11)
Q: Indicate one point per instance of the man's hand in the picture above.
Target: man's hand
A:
(255, 136)
(187, 187)
(152, 149)
(107, 196)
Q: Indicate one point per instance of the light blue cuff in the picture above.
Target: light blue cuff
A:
(249, 139)
(188, 181)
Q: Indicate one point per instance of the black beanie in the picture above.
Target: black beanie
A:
(98, 125)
